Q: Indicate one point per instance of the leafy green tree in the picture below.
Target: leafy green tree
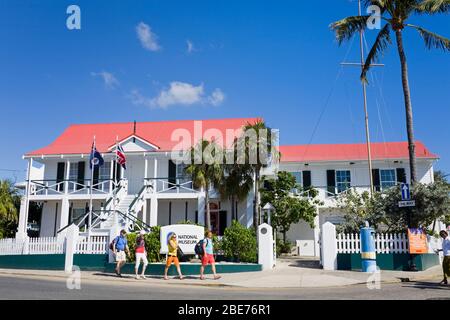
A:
(289, 209)
(206, 169)
(395, 14)
(9, 208)
(152, 244)
(359, 208)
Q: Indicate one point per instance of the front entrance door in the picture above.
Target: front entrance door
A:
(135, 175)
(218, 219)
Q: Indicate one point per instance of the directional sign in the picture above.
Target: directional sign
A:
(406, 194)
(408, 203)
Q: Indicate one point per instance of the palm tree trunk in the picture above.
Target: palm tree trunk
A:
(408, 107)
(233, 208)
(208, 212)
(257, 200)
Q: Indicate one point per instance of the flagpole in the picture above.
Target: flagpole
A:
(92, 181)
(115, 176)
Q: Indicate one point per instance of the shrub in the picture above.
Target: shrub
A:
(152, 245)
(283, 247)
(239, 243)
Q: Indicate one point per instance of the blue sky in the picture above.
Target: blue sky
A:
(274, 59)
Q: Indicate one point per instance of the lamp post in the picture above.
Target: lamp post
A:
(268, 208)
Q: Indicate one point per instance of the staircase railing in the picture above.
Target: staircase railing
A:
(138, 200)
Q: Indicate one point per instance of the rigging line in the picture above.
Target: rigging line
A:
(381, 92)
(350, 109)
(339, 73)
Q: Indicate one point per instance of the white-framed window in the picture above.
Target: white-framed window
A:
(104, 172)
(73, 172)
(387, 178)
(343, 180)
(298, 180)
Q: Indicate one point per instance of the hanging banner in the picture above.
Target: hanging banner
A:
(417, 241)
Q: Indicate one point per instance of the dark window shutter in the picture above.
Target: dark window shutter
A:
(95, 177)
(401, 175)
(172, 174)
(376, 179)
(331, 181)
(306, 179)
(117, 172)
(80, 180)
(222, 222)
(60, 175)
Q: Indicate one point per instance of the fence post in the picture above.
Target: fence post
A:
(71, 245)
(113, 233)
(329, 246)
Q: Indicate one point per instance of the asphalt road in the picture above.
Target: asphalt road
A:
(14, 287)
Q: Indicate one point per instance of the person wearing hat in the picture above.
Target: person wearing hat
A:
(120, 247)
(446, 251)
(141, 255)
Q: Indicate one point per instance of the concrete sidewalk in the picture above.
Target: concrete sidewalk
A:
(289, 273)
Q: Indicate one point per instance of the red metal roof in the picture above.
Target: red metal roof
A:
(77, 139)
(349, 152)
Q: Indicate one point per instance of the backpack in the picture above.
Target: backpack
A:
(199, 248)
(111, 245)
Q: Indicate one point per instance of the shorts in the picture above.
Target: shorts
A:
(208, 259)
(139, 257)
(173, 259)
(121, 256)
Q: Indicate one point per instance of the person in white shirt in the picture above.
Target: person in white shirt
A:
(446, 251)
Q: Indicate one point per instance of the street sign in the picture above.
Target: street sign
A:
(408, 203)
(406, 194)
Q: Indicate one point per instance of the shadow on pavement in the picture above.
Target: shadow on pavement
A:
(426, 285)
(305, 263)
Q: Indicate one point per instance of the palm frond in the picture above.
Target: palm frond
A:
(431, 39)
(433, 6)
(347, 27)
(381, 43)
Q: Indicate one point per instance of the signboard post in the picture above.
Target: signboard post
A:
(417, 240)
(406, 197)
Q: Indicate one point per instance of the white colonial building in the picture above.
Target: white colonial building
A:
(154, 189)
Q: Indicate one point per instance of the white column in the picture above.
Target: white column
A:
(153, 211)
(249, 209)
(317, 234)
(329, 246)
(113, 233)
(201, 202)
(64, 220)
(111, 176)
(155, 168)
(24, 206)
(145, 177)
(72, 233)
(66, 183)
(265, 246)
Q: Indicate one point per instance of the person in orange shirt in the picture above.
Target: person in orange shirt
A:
(172, 256)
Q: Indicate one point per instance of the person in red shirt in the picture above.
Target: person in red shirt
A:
(141, 254)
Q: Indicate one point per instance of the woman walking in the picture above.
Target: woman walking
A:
(141, 254)
(172, 245)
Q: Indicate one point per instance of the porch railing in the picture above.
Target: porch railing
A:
(71, 187)
(171, 185)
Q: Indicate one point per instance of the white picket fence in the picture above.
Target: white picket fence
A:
(384, 243)
(96, 245)
(53, 245)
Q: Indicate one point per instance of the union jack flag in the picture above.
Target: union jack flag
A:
(120, 155)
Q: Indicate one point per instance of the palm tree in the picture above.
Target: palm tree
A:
(8, 201)
(395, 14)
(237, 184)
(206, 170)
(256, 141)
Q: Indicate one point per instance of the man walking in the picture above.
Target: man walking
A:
(208, 256)
(141, 254)
(119, 248)
(446, 251)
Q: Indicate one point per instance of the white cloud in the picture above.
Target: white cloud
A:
(217, 97)
(178, 93)
(190, 46)
(108, 78)
(148, 39)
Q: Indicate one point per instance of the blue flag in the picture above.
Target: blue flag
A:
(96, 159)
